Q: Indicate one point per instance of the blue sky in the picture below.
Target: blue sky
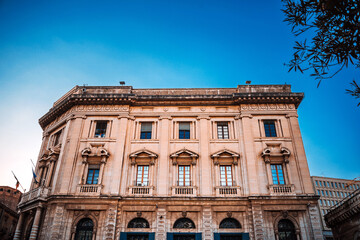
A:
(47, 47)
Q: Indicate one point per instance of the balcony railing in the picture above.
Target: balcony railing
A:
(141, 189)
(89, 189)
(227, 191)
(181, 190)
(34, 194)
(286, 189)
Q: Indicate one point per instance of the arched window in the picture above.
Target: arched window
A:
(84, 229)
(286, 230)
(184, 223)
(138, 223)
(229, 223)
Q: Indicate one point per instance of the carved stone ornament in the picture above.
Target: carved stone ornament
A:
(138, 214)
(285, 214)
(229, 214)
(184, 213)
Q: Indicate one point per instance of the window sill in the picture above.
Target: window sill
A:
(98, 140)
(263, 139)
(184, 141)
(224, 140)
(145, 141)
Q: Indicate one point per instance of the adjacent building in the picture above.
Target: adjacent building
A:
(9, 199)
(344, 218)
(331, 191)
(211, 163)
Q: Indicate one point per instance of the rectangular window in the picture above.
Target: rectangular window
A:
(320, 202)
(318, 192)
(223, 130)
(335, 185)
(332, 184)
(184, 176)
(146, 129)
(326, 192)
(343, 186)
(328, 184)
(93, 174)
(100, 130)
(142, 177)
(338, 194)
(316, 183)
(57, 137)
(225, 176)
(330, 193)
(342, 195)
(184, 130)
(270, 130)
(277, 174)
(322, 192)
(320, 183)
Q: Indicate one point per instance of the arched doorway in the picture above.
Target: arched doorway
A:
(84, 229)
(286, 230)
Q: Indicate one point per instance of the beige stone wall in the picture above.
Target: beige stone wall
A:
(253, 199)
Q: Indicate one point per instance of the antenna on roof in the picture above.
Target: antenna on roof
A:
(84, 88)
(248, 82)
(122, 83)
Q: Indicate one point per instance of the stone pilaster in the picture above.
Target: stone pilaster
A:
(110, 222)
(58, 223)
(161, 224)
(315, 222)
(118, 222)
(258, 222)
(207, 223)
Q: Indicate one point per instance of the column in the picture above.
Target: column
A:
(35, 226)
(17, 234)
(250, 155)
(164, 160)
(204, 158)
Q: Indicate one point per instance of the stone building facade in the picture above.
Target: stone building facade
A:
(344, 218)
(9, 199)
(331, 191)
(212, 163)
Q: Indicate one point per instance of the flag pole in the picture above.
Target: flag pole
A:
(18, 180)
(32, 162)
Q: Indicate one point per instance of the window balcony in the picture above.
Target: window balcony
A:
(282, 189)
(180, 190)
(228, 191)
(39, 193)
(142, 188)
(89, 189)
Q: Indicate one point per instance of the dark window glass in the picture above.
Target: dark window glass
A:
(100, 130)
(184, 223)
(230, 223)
(146, 128)
(138, 223)
(230, 237)
(223, 130)
(137, 236)
(57, 138)
(286, 230)
(184, 130)
(270, 130)
(277, 174)
(84, 229)
(93, 174)
(184, 236)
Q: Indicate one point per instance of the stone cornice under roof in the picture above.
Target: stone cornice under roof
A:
(126, 95)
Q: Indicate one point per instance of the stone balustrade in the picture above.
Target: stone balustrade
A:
(184, 191)
(282, 189)
(34, 194)
(224, 191)
(141, 190)
(89, 189)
